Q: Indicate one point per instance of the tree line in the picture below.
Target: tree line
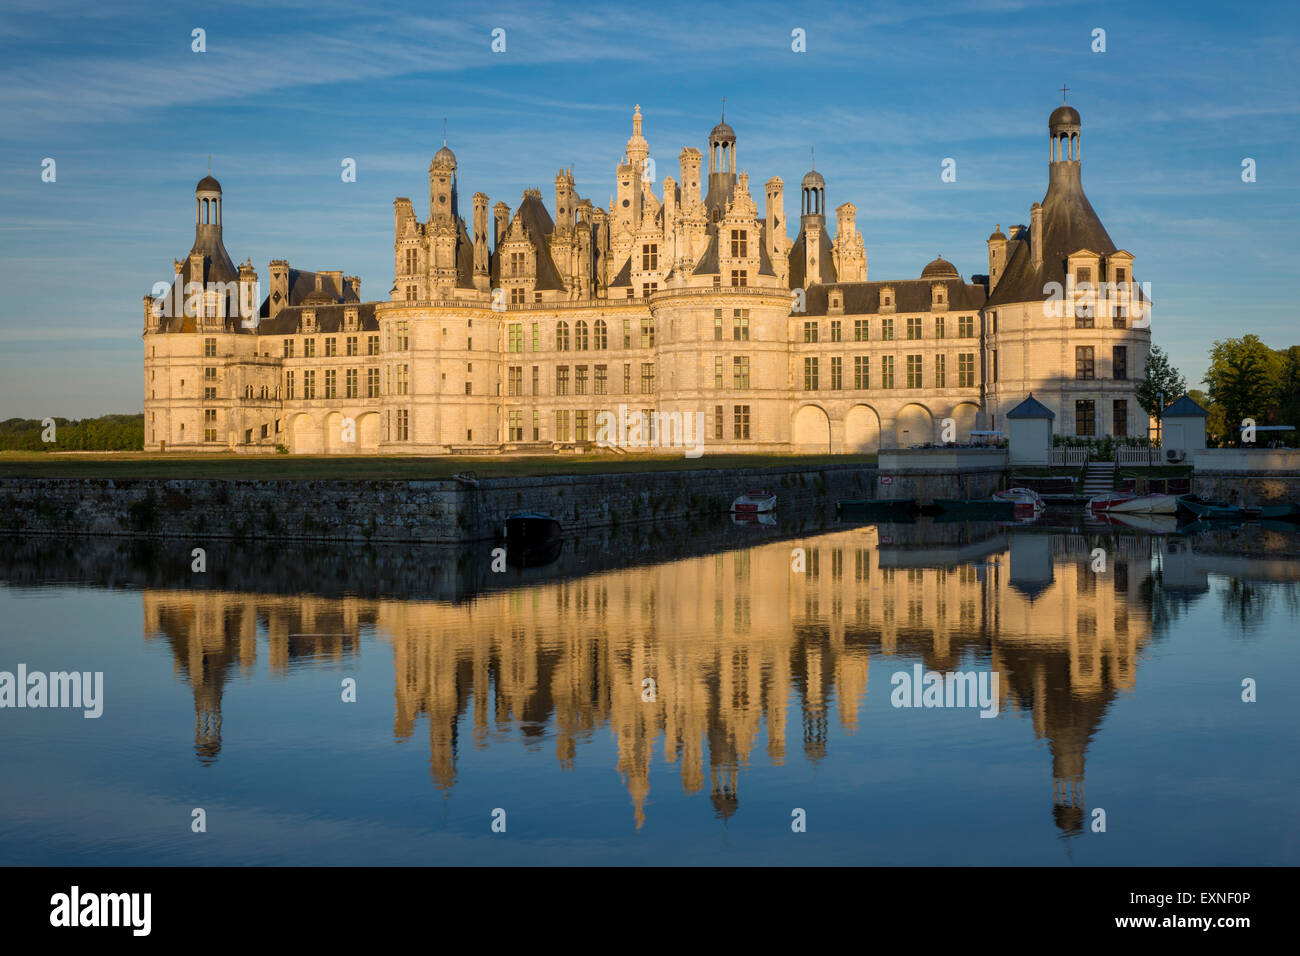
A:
(105, 433)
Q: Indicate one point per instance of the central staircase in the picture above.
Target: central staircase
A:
(1099, 479)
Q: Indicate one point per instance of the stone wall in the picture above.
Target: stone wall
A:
(426, 511)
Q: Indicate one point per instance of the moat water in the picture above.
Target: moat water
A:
(716, 693)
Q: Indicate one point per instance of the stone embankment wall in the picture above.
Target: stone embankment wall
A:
(426, 511)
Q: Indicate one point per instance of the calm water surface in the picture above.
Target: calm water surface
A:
(1119, 690)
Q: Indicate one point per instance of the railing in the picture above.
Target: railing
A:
(1136, 455)
(1065, 457)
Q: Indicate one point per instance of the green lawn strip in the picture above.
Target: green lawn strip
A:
(415, 468)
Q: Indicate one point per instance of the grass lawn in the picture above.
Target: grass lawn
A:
(265, 467)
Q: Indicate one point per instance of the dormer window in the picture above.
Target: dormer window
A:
(739, 243)
(350, 319)
(309, 320)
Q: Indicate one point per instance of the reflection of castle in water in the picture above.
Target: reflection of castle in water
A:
(728, 639)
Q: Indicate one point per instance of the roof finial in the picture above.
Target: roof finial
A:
(812, 155)
(444, 131)
(1064, 89)
(724, 109)
(209, 164)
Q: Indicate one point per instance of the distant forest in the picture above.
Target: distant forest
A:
(106, 433)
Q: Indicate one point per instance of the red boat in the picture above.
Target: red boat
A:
(1109, 500)
(754, 502)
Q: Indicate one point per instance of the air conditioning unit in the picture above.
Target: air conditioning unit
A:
(1174, 455)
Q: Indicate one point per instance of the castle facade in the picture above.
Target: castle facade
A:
(517, 330)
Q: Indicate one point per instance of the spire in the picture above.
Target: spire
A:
(444, 131)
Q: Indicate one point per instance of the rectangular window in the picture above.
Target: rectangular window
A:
(914, 371)
(537, 425)
(602, 380)
(647, 378)
(372, 345)
(966, 327)
(331, 383)
(740, 325)
(580, 379)
(647, 288)
(810, 382)
(810, 331)
(537, 383)
(938, 326)
(717, 372)
(372, 382)
(887, 329)
(886, 371)
(740, 421)
(288, 384)
(515, 341)
(537, 337)
(515, 381)
(209, 348)
(309, 383)
(837, 372)
(739, 244)
(209, 392)
(403, 336)
(627, 378)
(1119, 418)
(352, 344)
(861, 372)
(403, 424)
(941, 371)
(1119, 361)
(647, 333)
(914, 327)
(561, 380)
(966, 370)
(717, 325)
(562, 425)
(627, 333)
(308, 348)
(515, 425)
(351, 382)
(717, 422)
(403, 378)
(331, 346)
(288, 348)
(739, 277)
(1084, 366)
(994, 354)
(649, 257)
(837, 330)
(740, 371)
(1085, 418)
(860, 330)
(581, 425)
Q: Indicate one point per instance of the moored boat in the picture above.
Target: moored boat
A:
(1208, 508)
(1280, 513)
(1109, 500)
(1026, 501)
(1152, 522)
(754, 502)
(1146, 505)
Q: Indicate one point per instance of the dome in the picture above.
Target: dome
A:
(940, 268)
(1064, 116)
(722, 133)
(208, 184)
(444, 155)
(997, 233)
(813, 180)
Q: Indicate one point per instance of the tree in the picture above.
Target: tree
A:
(1159, 376)
(1244, 377)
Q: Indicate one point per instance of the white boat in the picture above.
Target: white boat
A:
(1146, 505)
(1027, 502)
(754, 502)
(1153, 523)
(1109, 500)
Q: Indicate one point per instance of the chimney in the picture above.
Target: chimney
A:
(1036, 234)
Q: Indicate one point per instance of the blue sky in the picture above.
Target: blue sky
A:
(885, 92)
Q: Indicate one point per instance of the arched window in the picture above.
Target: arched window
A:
(602, 334)
(581, 339)
(562, 337)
